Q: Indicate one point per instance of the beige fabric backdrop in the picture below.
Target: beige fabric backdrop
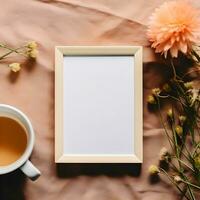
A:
(76, 22)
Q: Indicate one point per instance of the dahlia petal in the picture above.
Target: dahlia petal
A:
(183, 38)
(167, 47)
(183, 47)
(165, 54)
(174, 51)
(172, 40)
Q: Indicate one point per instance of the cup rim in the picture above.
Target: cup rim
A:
(18, 163)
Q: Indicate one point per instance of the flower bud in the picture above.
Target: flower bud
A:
(31, 50)
(33, 53)
(153, 170)
(182, 119)
(156, 91)
(166, 87)
(179, 130)
(32, 45)
(170, 113)
(188, 85)
(151, 99)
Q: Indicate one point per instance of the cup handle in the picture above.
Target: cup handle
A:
(30, 170)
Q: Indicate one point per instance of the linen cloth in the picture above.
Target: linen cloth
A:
(77, 22)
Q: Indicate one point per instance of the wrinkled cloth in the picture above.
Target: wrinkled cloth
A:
(77, 22)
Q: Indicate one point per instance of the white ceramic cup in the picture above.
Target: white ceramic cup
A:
(23, 163)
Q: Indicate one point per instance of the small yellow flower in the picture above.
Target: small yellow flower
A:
(32, 49)
(179, 130)
(32, 45)
(33, 53)
(188, 85)
(15, 67)
(153, 170)
(182, 119)
(170, 113)
(166, 87)
(156, 91)
(151, 99)
(177, 179)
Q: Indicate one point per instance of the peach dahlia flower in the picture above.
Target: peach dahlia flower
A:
(173, 27)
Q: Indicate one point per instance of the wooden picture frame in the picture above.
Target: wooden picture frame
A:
(62, 52)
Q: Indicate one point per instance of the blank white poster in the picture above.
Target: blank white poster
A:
(98, 105)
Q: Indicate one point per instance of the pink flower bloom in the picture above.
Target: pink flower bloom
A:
(174, 27)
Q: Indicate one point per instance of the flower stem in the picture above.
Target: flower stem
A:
(10, 52)
(185, 164)
(191, 184)
(162, 122)
(173, 69)
(171, 180)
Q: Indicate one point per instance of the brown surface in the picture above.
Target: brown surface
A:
(76, 22)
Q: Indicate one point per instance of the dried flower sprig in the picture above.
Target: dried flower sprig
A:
(174, 27)
(29, 50)
(183, 134)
